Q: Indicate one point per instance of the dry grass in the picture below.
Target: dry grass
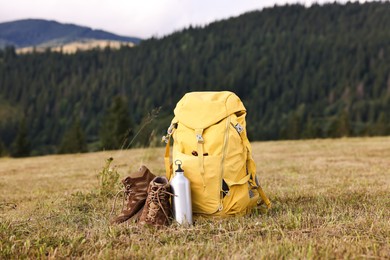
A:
(331, 199)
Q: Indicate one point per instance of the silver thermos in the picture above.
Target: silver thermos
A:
(182, 204)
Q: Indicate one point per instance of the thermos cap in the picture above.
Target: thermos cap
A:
(179, 163)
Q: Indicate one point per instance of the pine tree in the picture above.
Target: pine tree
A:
(3, 149)
(310, 130)
(293, 126)
(73, 140)
(116, 128)
(21, 144)
(343, 125)
(380, 127)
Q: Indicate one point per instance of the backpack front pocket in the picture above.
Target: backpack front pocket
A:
(237, 199)
(205, 188)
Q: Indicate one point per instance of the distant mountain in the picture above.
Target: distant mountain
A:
(44, 33)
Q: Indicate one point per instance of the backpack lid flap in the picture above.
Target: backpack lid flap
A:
(203, 109)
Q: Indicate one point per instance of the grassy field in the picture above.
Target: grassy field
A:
(331, 199)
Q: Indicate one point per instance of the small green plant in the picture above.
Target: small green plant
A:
(108, 179)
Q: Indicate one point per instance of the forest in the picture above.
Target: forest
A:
(302, 72)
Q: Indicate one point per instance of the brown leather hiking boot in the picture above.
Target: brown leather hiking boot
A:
(135, 190)
(157, 210)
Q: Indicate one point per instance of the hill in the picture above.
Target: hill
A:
(81, 45)
(46, 34)
(330, 201)
(316, 72)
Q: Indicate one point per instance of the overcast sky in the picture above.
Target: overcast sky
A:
(138, 18)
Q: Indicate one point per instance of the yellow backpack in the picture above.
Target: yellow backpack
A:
(210, 140)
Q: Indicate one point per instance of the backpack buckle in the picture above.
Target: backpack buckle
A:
(171, 128)
(199, 138)
(165, 139)
(239, 128)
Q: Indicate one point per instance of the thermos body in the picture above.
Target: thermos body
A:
(182, 204)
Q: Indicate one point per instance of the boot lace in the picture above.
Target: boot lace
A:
(158, 197)
(127, 191)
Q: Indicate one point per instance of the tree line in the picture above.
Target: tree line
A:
(316, 72)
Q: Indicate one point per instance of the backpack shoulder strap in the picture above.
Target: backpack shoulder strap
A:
(167, 139)
(252, 170)
(167, 160)
(250, 163)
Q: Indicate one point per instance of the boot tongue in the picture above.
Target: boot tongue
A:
(126, 181)
(160, 181)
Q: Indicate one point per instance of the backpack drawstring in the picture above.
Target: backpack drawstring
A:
(200, 141)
